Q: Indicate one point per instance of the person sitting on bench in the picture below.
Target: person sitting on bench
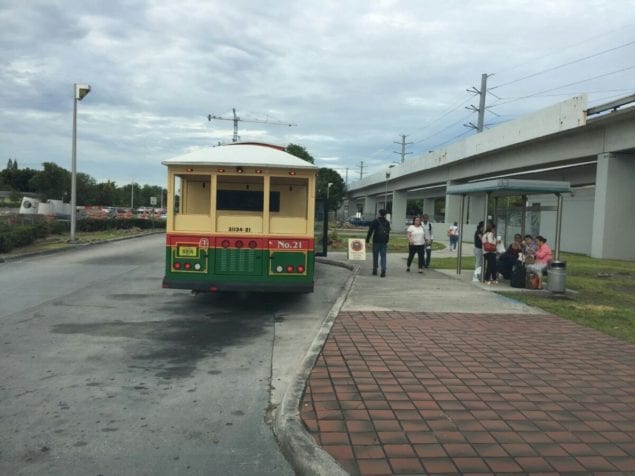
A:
(509, 258)
(542, 257)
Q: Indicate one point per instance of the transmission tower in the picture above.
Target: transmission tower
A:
(403, 152)
(481, 104)
(236, 119)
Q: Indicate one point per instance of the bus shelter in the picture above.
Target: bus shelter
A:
(505, 187)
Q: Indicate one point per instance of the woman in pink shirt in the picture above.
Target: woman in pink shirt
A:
(542, 257)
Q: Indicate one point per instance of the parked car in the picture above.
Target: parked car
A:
(357, 221)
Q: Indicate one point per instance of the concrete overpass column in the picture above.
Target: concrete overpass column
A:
(428, 207)
(370, 207)
(476, 209)
(399, 205)
(452, 206)
(613, 219)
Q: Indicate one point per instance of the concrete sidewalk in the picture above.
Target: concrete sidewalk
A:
(431, 374)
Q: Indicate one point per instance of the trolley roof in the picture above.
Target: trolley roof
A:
(262, 155)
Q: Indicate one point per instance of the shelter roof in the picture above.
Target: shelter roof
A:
(506, 186)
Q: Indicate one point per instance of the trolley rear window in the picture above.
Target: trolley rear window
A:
(246, 200)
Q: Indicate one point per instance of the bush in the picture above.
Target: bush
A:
(16, 237)
(95, 224)
(57, 227)
(6, 244)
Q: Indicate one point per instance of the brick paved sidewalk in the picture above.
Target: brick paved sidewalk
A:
(403, 393)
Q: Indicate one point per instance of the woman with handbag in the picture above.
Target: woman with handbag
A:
(489, 253)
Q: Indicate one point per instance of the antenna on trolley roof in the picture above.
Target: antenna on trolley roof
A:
(236, 119)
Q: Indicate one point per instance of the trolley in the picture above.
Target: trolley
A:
(240, 217)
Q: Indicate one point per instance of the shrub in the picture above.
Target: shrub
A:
(16, 237)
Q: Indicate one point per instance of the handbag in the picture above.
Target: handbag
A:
(489, 247)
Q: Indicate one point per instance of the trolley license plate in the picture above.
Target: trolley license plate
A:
(187, 251)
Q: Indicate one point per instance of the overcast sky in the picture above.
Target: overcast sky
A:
(353, 75)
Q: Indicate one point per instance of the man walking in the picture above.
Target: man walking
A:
(427, 234)
(379, 230)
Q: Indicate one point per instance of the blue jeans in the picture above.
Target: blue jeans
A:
(379, 252)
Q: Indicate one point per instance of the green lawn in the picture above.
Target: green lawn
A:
(398, 242)
(602, 297)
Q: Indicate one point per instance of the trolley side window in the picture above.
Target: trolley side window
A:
(291, 218)
(192, 201)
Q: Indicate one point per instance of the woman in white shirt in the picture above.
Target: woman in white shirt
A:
(416, 243)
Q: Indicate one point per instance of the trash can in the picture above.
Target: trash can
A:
(557, 275)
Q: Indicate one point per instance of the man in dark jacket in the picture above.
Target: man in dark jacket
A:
(379, 230)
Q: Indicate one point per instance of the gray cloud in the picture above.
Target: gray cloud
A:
(353, 75)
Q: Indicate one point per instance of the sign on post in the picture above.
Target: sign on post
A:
(153, 201)
(356, 249)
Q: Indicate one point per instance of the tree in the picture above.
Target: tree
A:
(18, 180)
(86, 190)
(335, 192)
(300, 152)
(54, 182)
(106, 194)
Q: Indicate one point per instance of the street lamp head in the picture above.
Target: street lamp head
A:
(81, 90)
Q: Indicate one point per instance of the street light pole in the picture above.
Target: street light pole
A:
(328, 189)
(79, 92)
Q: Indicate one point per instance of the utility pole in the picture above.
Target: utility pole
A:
(361, 170)
(346, 179)
(403, 147)
(236, 119)
(481, 104)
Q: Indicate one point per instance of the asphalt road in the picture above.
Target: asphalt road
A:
(104, 372)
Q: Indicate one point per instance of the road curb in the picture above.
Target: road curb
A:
(300, 449)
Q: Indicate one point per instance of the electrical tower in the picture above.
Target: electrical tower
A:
(481, 104)
(237, 119)
(403, 152)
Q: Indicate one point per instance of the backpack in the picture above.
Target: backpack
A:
(382, 232)
(518, 276)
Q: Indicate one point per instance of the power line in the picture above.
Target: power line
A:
(462, 103)
(564, 86)
(611, 31)
(548, 70)
(452, 139)
(447, 127)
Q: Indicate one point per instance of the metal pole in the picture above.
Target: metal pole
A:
(523, 219)
(459, 255)
(132, 195)
(481, 106)
(558, 226)
(74, 168)
(484, 228)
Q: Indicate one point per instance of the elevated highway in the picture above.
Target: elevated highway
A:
(592, 148)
